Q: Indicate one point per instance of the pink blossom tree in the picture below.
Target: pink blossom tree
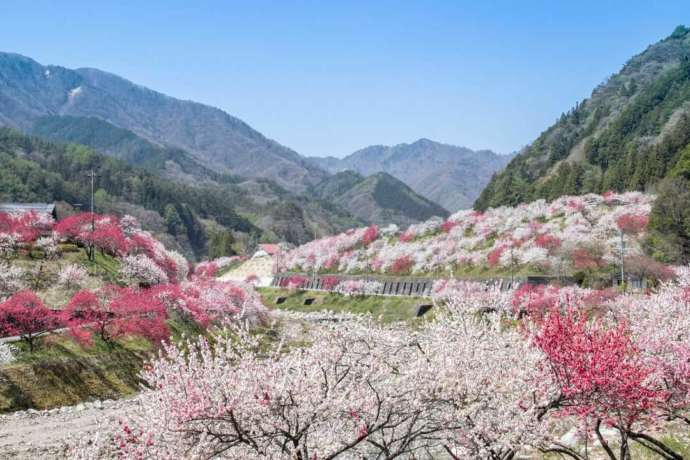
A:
(602, 378)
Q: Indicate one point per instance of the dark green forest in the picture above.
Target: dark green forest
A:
(35, 170)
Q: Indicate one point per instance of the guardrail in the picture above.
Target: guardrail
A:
(408, 286)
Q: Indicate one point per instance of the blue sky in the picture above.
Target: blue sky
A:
(327, 78)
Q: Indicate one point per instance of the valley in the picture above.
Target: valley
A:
(174, 284)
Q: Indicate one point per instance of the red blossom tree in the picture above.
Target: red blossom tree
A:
(294, 282)
(27, 226)
(448, 225)
(109, 239)
(402, 264)
(370, 235)
(548, 242)
(601, 377)
(632, 224)
(494, 256)
(206, 270)
(184, 301)
(94, 230)
(115, 312)
(406, 237)
(586, 258)
(330, 282)
(25, 315)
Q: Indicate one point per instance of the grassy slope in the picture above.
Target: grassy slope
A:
(387, 309)
(61, 372)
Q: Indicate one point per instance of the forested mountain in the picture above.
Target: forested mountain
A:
(632, 132)
(282, 214)
(379, 198)
(124, 144)
(30, 91)
(191, 216)
(446, 174)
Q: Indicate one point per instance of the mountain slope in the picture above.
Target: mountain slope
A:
(449, 175)
(379, 198)
(29, 91)
(283, 215)
(123, 144)
(631, 132)
(184, 215)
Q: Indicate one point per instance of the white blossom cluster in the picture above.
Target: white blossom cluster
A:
(8, 245)
(130, 227)
(6, 353)
(140, 269)
(11, 280)
(49, 245)
(357, 390)
(359, 287)
(72, 276)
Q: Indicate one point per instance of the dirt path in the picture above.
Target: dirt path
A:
(42, 434)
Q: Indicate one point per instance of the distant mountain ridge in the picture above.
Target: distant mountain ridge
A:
(449, 175)
(379, 198)
(194, 144)
(29, 91)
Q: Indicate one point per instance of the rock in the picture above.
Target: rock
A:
(80, 407)
(570, 438)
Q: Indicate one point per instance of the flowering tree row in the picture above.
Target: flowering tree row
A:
(493, 374)
(569, 234)
(144, 259)
(113, 311)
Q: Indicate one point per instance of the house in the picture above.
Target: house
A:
(21, 208)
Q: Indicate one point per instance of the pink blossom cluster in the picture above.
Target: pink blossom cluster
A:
(294, 282)
(568, 234)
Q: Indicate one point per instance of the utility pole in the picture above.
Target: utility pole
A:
(92, 253)
(622, 261)
(512, 267)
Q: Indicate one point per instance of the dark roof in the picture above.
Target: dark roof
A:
(16, 208)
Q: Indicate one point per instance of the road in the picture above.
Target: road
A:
(44, 434)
